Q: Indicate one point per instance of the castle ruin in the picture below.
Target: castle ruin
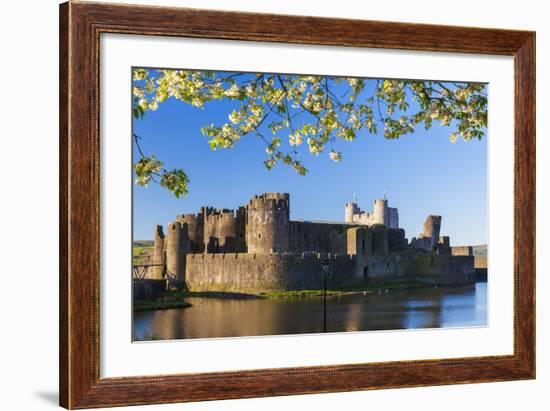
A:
(258, 248)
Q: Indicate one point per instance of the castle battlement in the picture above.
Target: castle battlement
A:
(318, 257)
(270, 201)
(382, 214)
(259, 247)
(221, 215)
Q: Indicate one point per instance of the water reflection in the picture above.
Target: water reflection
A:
(416, 308)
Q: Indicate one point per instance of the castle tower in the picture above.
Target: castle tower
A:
(195, 230)
(351, 210)
(380, 212)
(158, 254)
(177, 246)
(380, 243)
(393, 220)
(226, 231)
(220, 231)
(209, 230)
(268, 228)
(396, 239)
(359, 244)
(241, 218)
(432, 227)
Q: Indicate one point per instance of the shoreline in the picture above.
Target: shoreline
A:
(356, 289)
(177, 299)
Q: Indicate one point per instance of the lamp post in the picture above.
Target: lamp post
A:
(325, 265)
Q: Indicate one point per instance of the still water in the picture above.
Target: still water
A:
(416, 308)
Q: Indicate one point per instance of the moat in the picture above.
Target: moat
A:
(457, 306)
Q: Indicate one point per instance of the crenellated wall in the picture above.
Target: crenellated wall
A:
(252, 273)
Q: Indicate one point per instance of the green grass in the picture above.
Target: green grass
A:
(176, 299)
(142, 251)
(168, 300)
(300, 294)
(335, 291)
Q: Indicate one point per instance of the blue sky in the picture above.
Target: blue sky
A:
(421, 173)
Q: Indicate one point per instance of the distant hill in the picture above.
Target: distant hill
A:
(144, 243)
(141, 250)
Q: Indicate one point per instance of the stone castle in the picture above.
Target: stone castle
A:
(258, 248)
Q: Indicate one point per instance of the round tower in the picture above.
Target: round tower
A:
(268, 229)
(351, 210)
(226, 231)
(158, 254)
(380, 212)
(177, 246)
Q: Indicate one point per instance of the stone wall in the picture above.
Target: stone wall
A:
(252, 273)
(306, 236)
(462, 250)
(396, 239)
(480, 264)
(379, 239)
(428, 268)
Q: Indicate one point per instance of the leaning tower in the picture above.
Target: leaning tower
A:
(268, 229)
(432, 227)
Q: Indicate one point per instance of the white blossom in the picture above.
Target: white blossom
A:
(335, 156)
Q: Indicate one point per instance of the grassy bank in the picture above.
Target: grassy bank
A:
(300, 294)
(336, 291)
(142, 251)
(176, 299)
(168, 300)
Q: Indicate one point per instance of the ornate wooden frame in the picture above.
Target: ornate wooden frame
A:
(80, 27)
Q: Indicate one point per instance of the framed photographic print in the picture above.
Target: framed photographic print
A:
(257, 205)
